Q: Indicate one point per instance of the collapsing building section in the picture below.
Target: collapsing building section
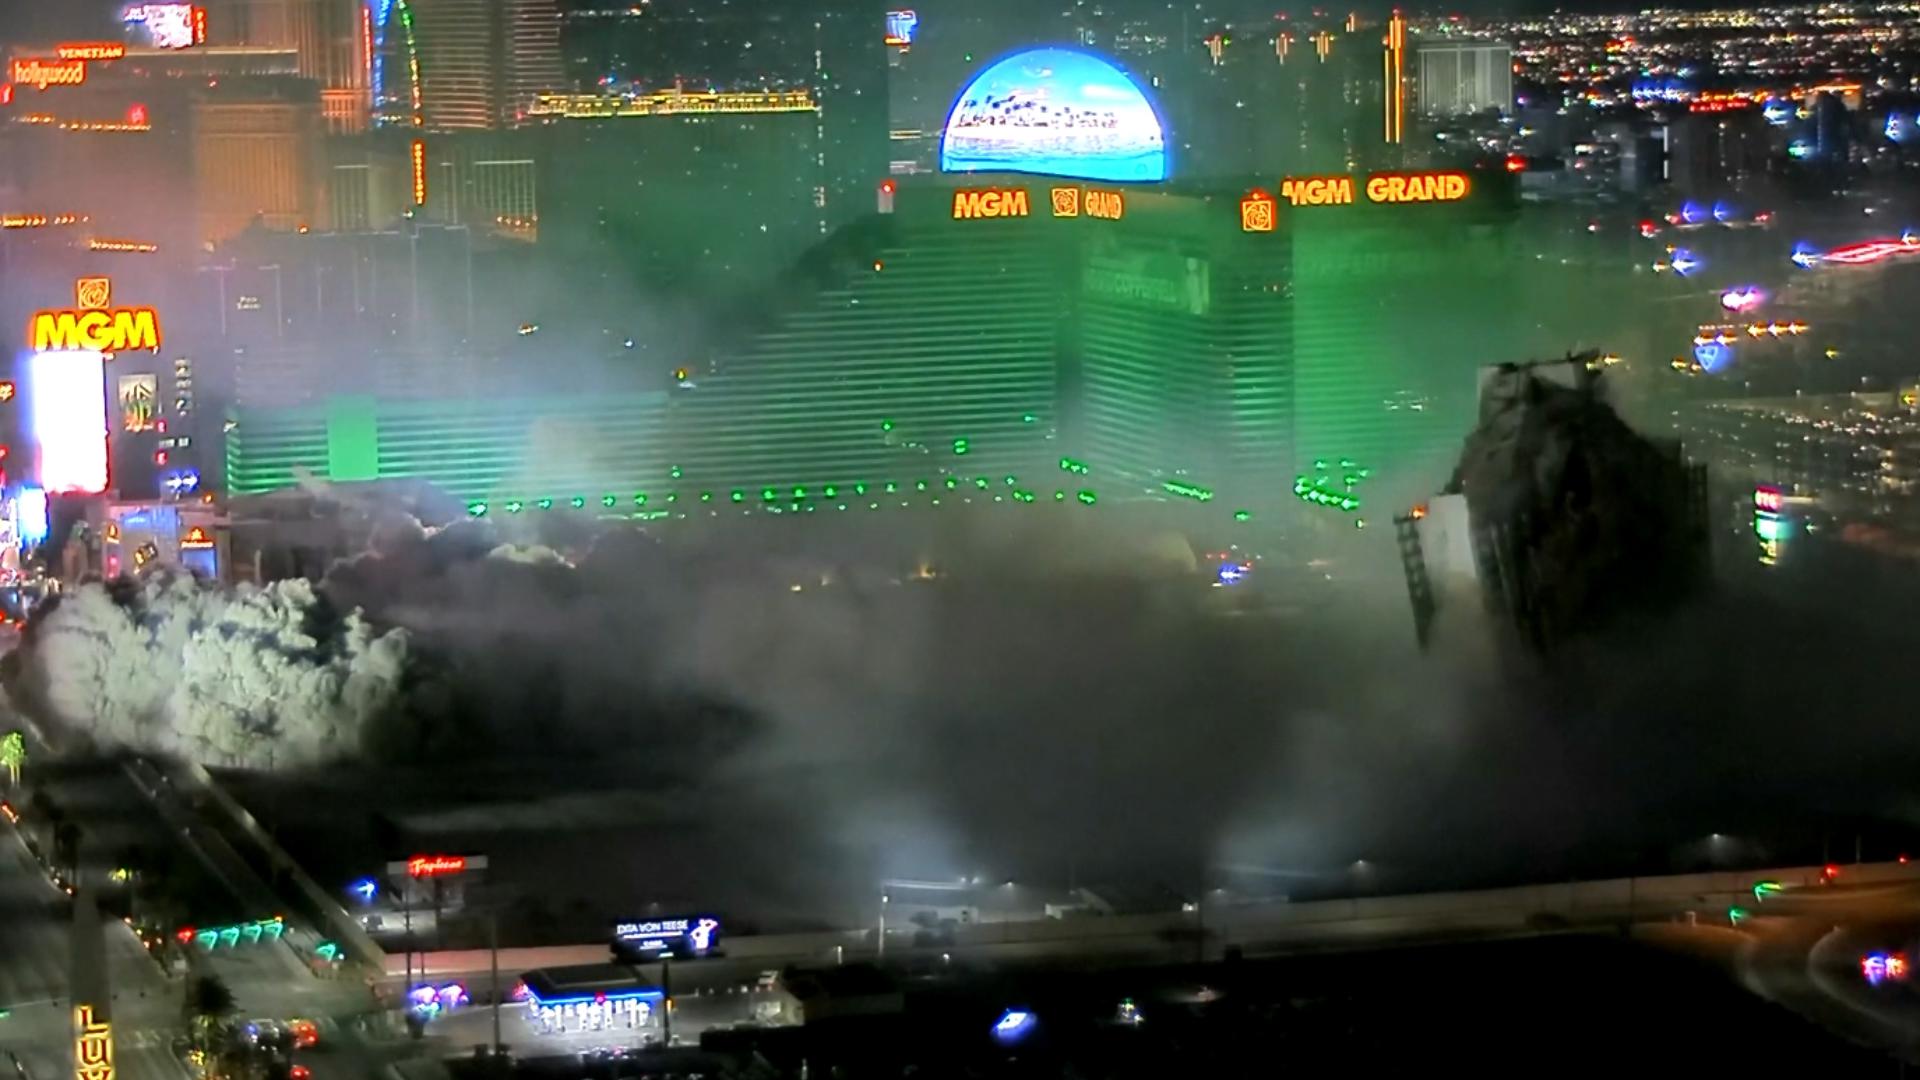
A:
(1559, 515)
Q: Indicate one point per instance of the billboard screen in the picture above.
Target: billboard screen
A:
(68, 404)
(691, 935)
(139, 403)
(1055, 112)
(30, 516)
(169, 26)
(900, 27)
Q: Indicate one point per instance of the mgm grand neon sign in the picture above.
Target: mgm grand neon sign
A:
(93, 324)
(1066, 201)
(1394, 187)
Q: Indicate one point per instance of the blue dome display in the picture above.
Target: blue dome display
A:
(1057, 112)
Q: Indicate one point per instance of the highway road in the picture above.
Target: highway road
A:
(36, 944)
(1803, 948)
(119, 811)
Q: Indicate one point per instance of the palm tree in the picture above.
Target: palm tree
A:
(208, 1005)
(66, 848)
(13, 755)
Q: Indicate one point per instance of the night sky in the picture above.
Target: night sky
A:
(32, 20)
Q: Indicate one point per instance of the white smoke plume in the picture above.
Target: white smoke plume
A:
(257, 677)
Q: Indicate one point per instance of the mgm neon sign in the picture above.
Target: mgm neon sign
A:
(93, 324)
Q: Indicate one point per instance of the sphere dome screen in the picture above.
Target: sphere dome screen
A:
(1055, 112)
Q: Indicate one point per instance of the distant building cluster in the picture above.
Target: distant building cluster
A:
(683, 258)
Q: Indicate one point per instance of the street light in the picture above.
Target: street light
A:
(880, 952)
(1361, 873)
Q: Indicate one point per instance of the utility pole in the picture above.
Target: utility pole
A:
(493, 944)
(1200, 925)
(406, 923)
(666, 999)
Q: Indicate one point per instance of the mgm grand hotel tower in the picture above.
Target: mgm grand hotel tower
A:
(1055, 317)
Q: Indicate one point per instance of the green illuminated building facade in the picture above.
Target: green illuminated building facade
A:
(1159, 347)
(1395, 309)
(926, 350)
(560, 446)
(1184, 347)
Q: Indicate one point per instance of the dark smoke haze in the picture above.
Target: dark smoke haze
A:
(1025, 721)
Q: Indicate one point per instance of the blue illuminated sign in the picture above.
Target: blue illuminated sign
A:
(382, 9)
(1713, 355)
(1662, 90)
(900, 27)
(1055, 112)
(1013, 1025)
(538, 1002)
(30, 515)
(692, 935)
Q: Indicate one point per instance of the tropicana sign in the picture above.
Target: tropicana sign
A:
(93, 324)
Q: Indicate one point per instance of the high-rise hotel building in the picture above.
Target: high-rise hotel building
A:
(452, 65)
(1053, 319)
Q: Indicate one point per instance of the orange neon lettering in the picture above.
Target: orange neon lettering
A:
(92, 1045)
(90, 50)
(1417, 187)
(1111, 205)
(972, 203)
(1317, 190)
(118, 330)
(41, 73)
(141, 246)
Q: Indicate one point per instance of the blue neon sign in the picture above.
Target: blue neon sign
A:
(538, 1002)
(1713, 355)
